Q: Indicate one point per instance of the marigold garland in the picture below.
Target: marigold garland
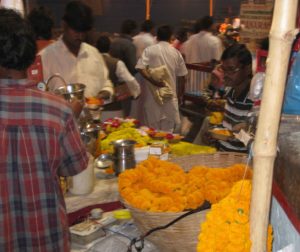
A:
(226, 228)
(161, 186)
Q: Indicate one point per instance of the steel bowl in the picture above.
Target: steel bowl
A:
(104, 161)
(71, 91)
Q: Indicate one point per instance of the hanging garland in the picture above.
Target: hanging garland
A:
(227, 227)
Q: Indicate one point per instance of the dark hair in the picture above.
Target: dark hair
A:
(147, 26)
(238, 51)
(128, 26)
(207, 22)
(164, 33)
(41, 22)
(103, 44)
(78, 16)
(17, 42)
(197, 27)
(182, 34)
(264, 44)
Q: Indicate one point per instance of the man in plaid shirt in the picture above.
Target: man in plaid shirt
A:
(39, 142)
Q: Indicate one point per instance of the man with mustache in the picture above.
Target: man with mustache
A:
(75, 60)
(236, 66)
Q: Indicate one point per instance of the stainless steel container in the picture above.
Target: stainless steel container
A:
(68, 91)
(71, 91)
(123, 157)
(121, 164)
(89, 134)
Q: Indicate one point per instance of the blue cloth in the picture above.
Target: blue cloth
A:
(291, 103)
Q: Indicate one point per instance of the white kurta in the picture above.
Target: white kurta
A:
(125, 76)
(201, 47)
(142, 41)
(157, 55)
(88, 67)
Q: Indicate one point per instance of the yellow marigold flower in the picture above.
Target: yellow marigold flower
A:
(228, 221)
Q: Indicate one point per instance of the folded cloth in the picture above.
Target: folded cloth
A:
(161, 94)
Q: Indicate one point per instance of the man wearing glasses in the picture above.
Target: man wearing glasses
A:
(236, 66)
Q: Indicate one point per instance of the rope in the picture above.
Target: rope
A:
(138, 242)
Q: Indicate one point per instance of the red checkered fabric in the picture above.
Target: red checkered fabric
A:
(39, 141)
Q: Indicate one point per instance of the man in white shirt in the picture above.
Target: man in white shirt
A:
(166, 116)
(75, 60)
(141, 41)
(202, 47)
(145, 38)
(119, 75)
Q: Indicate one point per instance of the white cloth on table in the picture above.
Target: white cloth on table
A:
(87, 68)
(153, 56)
(105, 191)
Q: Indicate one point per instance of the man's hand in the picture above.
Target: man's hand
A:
(103, 95)
(147, 76)
(158, 83)
(240, 126)
(76, 106)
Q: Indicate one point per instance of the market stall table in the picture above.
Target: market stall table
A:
(105, 191)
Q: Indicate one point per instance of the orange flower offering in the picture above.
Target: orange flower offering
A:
(226, 228)
(161, 186)
(94, 101)
(222, 132)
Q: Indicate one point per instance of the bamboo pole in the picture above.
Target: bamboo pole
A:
(148, 9)
(281, 36)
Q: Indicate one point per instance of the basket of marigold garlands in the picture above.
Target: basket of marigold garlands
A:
(157, 192)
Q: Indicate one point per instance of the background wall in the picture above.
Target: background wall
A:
(166, 11)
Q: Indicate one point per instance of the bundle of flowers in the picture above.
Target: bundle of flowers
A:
(126, 133)
(161, 186)
(226, 228)
(185, 148)
(115, 124)
(161, 135)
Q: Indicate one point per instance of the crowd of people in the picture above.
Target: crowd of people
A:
(71, 56)
(40, 139)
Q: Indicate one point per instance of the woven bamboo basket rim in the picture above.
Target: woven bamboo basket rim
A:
(213, 160)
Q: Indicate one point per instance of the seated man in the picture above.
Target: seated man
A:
(237, 68)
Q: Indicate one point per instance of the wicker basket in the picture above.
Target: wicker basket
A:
(183, 235)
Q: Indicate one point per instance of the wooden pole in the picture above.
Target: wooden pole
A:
(148, 3)
(211, 7)
(281, 36)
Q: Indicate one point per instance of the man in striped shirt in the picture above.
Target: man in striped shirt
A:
(237, 69)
